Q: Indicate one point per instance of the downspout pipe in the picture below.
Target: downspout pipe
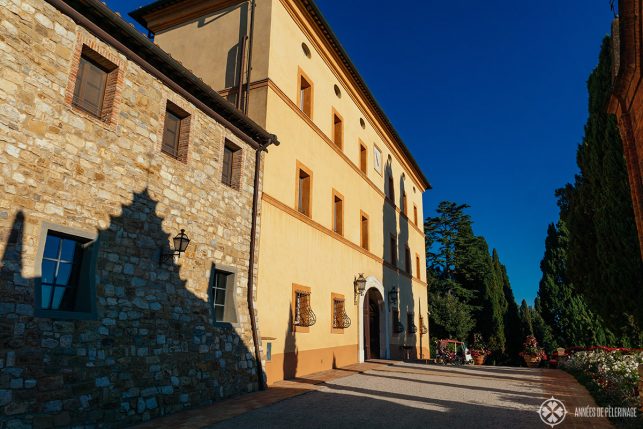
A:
(250, 43)
(251, 269)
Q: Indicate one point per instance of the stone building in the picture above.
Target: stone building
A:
(342, 197)
(109, 149)
(627, 98)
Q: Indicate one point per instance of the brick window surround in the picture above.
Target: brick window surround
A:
(232, 165)
(175, 135)
(93, 62)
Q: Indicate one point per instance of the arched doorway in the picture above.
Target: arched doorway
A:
(372, 321)
(374, 295)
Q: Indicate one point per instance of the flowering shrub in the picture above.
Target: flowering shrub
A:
(478, 347)
(530, 348)
(615, 373)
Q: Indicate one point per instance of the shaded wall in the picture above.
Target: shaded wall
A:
(152, 347)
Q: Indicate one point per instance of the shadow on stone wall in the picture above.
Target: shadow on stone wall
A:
(151, 351)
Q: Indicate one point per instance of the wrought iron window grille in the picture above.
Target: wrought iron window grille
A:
(412, 328)
(304, 315)
(398, 327)
(340, 318)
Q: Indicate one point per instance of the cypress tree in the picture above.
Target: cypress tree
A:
(526, 325)
(604, 264)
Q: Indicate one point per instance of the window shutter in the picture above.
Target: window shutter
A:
(90, 87)
(227, 166)
(171, 134)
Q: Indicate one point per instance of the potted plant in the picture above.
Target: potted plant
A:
(531, 352)
(479, 350)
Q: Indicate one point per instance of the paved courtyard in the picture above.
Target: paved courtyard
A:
(405, 395)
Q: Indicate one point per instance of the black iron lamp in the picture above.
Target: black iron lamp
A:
(392, 297)
(181, 242)
(360, 286)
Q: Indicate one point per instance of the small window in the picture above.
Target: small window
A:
(362, 123)
(95, 83)
(338, 130)
(338, 92)
(417, 267)
(176, 130)
(415, 215)
(223, 297)
(340, 319)
(338, 213)
(404, 209)
(362, 157)
(391, 189)
(305, 96)
(306, 49)
(398, 328)
(304, 186)
(303, 316)
(65, 288)
(407, 261)
(231, 170)
(364, 230)
(393, 248)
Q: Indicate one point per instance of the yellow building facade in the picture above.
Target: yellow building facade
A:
(341, 197)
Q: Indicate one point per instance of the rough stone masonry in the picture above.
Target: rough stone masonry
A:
(151, 347)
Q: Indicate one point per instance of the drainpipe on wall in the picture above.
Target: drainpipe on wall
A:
(250, 43)
(251, 269)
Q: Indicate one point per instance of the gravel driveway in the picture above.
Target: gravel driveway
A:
(405, 395)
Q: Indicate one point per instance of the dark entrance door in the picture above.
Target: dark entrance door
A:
(371, 325)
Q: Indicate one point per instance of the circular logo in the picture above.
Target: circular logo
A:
(552, 412)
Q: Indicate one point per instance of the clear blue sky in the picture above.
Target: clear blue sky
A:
(490, 98)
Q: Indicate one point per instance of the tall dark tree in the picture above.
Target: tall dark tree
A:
(526, 324)
(461, 269)
(604, 263)
(561, 307)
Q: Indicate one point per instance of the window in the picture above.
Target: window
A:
(232, 156)
(65, 285)
(404, 202)
(391, 189)
(398, 328)
(338, 130)
(222, 296)
(303, 316)
(415, 215)
(417, 267)
(303, 191)
(338, 212)
(176, 130)
(362, 157)
(340, 319)
(410, 322)
(407, 261)
(364, 230)
(95, 84)
(393, 247)
(305, 95)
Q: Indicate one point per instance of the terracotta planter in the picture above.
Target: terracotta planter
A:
(479, 360)
(532, 361)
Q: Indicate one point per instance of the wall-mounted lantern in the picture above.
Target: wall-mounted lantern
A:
(360, 286)
(181, 242)
(392, 297)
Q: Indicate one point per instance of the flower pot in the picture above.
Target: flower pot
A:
(532, 361)
(479, 360)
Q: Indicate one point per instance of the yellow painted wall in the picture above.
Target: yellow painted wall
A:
(295, 249)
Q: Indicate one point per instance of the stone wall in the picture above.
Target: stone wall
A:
(152, 348)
